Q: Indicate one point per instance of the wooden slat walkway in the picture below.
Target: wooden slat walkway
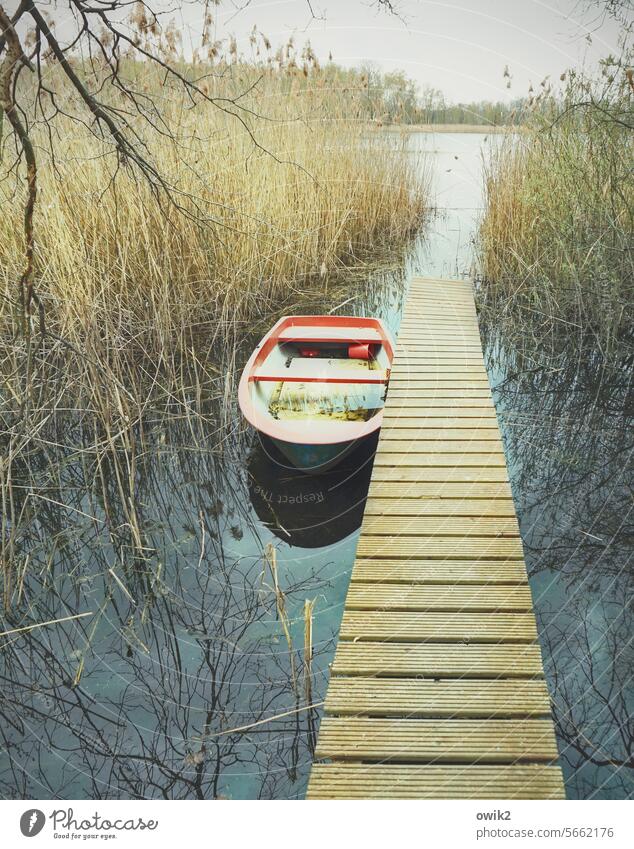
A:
(437, 687)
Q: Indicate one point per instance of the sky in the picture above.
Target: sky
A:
(458, 47)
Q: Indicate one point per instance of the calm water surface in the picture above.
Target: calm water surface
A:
(183, 681)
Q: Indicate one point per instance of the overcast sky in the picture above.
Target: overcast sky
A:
(459, 47)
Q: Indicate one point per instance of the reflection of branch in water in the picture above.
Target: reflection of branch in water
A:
(571, 458)
(591, 670)
(163, 723)
(570, 464)
(186, 688)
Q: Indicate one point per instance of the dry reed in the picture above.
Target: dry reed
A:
(115, 269)
(556, 237)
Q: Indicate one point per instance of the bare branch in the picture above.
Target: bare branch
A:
(9, 68)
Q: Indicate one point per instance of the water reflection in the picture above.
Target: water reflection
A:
(193, 673)
(165, 688)
(309, 511)
(567, 418)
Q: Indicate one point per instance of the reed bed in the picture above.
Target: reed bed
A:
(147, 306)
(281, 204)
(555, 243)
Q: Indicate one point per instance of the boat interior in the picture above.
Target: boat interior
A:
(305, 377)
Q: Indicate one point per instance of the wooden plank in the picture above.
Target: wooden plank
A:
(503, 741)
(433, 314)
(460, 319)
(475, 424)
(455, 323)
(462, 434)
(460, 369)
(427, 358)
(411, 341)
(478, 390)
(454, 300)
(449, 507)
(435, 336)
(420, 327)
(493, 548)
(400, 403)
(379, 781)
(426, 414)
(440, 284)
(456, 572)
(433, 364)
(440, 288)
(458, 299)
(433, 660)
(437, 367)
(407, 697)
(430, 407)
(463, 317)
(432, 323)
(462, 309)
(458, 302)
(438, 446)
(376, 596)
(462, 312)
(440, 473)
(459, 378)
(418, 409)
(404, 627)
(432, 359)
(446, 526)
(494, 458)
(423, 389)
(456, 376)
(443, 489)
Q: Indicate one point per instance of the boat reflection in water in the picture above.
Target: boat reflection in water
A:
(309, 511)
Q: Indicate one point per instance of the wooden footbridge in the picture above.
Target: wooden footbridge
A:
(437, 686)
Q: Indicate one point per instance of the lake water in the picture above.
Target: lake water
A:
(183, 682)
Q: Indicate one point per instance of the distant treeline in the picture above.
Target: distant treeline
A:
(390, 98)
(394, 98)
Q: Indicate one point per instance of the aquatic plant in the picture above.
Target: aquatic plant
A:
(555, 242)
(283, 203)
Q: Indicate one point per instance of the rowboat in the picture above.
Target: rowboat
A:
(316, 385)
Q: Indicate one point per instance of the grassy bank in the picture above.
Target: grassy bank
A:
(556, 237)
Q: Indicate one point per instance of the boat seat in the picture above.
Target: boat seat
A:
(302, 333)
(342, 376)
(316, 370)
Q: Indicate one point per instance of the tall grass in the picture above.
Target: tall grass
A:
(556, 248)
(308, 198)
